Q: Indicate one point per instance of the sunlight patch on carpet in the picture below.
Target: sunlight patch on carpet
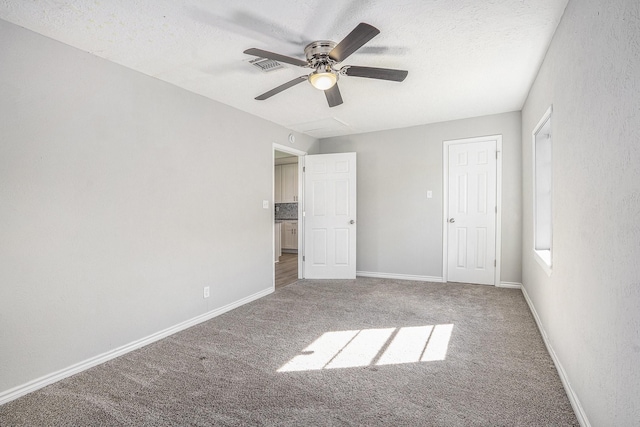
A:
(365, 347)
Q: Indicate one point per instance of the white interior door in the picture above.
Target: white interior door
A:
(330, 216)
(471, 211)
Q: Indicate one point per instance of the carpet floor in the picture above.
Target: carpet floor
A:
(364, 352)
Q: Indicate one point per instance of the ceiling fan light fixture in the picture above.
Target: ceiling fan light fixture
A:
(324, 58)
(323, 80)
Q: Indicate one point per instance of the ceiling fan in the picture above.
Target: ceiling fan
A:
(323, 56)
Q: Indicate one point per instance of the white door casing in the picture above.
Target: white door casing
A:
(471, 212)
(301, 155)
(330, 216)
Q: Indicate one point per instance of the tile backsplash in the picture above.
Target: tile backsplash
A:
(286, 210)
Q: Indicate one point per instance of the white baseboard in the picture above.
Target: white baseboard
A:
(399, 276)
(573, 398)
(510, 285)
(21, 390)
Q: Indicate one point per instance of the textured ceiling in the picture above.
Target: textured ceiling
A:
(465, 58)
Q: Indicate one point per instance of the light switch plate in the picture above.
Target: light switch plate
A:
(265, 204)
(429, 194)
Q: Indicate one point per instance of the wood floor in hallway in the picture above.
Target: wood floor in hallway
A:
(286, 270)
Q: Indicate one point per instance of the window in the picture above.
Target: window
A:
(542, 186)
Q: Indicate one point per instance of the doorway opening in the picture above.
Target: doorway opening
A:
(287, 215)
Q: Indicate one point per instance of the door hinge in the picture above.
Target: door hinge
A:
(496, 155)
(304, 169)
(496, 209)
(495, 263)
(302, 257)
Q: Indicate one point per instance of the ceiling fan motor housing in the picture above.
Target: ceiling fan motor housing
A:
(317, 53)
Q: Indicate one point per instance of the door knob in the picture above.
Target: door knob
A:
(352, 222)
(452, 220)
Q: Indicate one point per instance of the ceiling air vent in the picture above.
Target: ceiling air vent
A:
(265, 65)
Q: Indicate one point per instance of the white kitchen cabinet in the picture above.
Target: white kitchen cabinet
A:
(289, 183)
(290, 235)
(278, 241)
(277, 183)
(286, 183)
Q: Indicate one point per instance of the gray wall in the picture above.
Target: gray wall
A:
(590, 305)
(399, 229)
(121, 198)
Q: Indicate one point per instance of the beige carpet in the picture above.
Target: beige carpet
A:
(366, 352)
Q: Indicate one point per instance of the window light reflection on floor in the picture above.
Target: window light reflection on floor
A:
(386, 346)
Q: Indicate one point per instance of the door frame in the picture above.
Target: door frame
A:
(445, 201)
(301, 156)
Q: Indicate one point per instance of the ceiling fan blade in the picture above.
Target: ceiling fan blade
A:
(354, 41)
(276, 57)
(280, 88)
(333, 96)
(376, 73)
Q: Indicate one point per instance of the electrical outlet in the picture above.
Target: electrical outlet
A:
(206, 292)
